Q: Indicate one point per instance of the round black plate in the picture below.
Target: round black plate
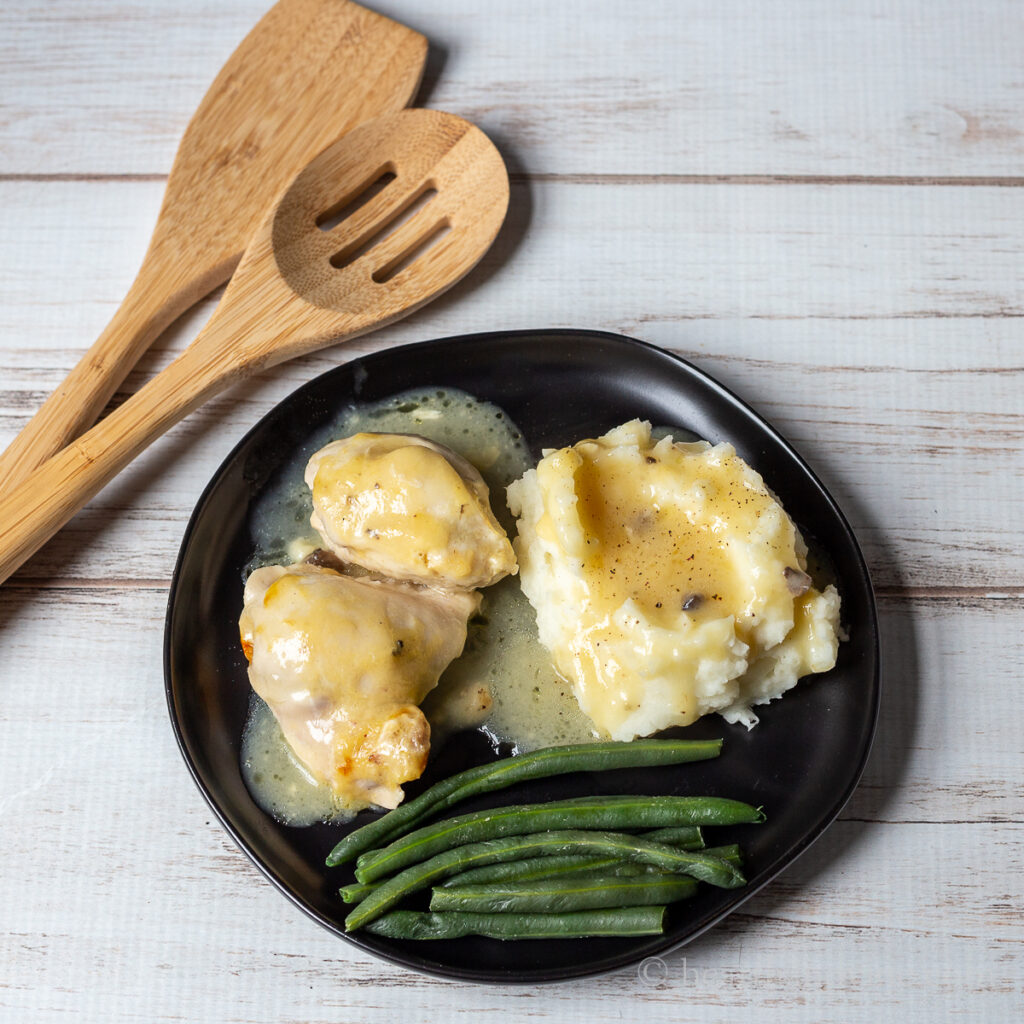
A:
(801, 763)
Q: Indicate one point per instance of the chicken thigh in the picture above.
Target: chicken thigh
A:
(408, 508)
(343, 663)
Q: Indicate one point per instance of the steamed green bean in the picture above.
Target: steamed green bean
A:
(586, 891)
(598, 812)
(627, 921)
(538, 764)
(419, 876)
(687, 838)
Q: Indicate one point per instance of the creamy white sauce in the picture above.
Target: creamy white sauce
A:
(277, 779)
(530, 706)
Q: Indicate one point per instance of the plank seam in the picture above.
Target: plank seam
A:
(580, 178)
(908, 180)
(930, 821)
(889, 593)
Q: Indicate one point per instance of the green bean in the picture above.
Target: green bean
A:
(355, 893)
(601, 812)
(588, 891)
(686, 837)
(412, 924)
(689, 837)
(533, 868)
(538, 764)
(708, 869)
(731, 853)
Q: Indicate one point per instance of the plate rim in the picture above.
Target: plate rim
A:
(608, 965)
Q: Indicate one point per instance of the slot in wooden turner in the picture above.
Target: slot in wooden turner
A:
(298, 288)
(309, 71)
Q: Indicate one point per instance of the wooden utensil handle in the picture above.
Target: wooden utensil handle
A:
(239, 339)
(160, 293)
(36, 509)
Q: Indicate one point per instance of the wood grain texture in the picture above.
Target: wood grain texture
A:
(852, 87)
(310, 71)
(864, 322)
(898, 901)
(291, 294)
(815, 203)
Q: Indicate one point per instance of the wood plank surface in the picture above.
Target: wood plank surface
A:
(919, 869)
(801, 951)
(851, 87)
(815, 203)
(927, 766)
(890, 355)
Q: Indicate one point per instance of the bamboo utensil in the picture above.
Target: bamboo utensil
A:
(308, 72)
(300, 286)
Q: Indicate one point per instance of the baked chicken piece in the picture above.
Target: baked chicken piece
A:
(343, 663)
(407, 508)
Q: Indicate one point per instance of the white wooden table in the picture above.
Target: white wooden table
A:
(818, 203)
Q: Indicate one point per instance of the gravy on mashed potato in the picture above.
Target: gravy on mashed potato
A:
(668, 581)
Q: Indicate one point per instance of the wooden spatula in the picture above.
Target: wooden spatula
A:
(308, 72)
(303, 283)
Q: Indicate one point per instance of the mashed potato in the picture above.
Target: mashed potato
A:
(668, 582)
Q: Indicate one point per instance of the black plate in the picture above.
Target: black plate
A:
(801, 763)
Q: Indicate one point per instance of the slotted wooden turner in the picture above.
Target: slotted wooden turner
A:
(308, 72)
(298, 288)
